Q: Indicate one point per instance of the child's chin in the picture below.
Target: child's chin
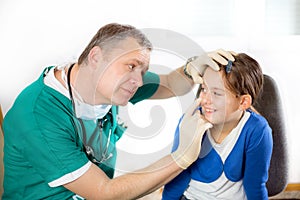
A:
(209, 120)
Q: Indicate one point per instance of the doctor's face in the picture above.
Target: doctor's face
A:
(123, 74)
(219, 105)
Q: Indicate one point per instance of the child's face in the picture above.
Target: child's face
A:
(219, 105)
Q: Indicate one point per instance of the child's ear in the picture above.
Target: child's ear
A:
(246, 102)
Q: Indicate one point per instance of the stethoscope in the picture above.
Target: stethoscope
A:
(88, 149)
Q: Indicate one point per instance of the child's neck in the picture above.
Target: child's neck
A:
(221, 131)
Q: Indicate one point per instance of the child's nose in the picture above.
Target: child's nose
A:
(206, 98)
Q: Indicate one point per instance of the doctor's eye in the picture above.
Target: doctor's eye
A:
(131, 67)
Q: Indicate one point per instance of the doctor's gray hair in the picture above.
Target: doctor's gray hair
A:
(110, 35)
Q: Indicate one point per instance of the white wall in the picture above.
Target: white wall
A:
(35, 34)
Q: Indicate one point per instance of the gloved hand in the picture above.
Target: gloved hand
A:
(197, 67)
(192, 128)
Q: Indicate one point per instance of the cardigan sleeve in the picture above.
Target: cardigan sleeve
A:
(258, 156)
(175, 189)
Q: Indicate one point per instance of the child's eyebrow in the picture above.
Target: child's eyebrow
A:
(214, 88)
(220, 89)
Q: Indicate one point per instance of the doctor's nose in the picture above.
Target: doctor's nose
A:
(137, 80)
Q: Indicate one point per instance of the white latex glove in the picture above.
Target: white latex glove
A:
(192, 128)
(197, 67)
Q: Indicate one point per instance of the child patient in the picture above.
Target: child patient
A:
(236, 152)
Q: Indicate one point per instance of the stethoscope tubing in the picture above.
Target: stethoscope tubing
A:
(89, 150)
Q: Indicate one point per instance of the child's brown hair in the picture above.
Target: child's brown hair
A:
(244, 76)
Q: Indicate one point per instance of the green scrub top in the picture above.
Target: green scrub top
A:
(42, 140)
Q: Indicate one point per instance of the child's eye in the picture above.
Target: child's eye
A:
(217, 94)
(203, 90)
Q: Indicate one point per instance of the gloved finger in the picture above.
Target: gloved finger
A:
(202, 120)
(215, 64)
(209, 62)
(191, 110)
(226, 54)
(205, 61)
(196, 77)
(218, 58)
(221, 56)
(212, 64)
(203, 125)
(233, 53)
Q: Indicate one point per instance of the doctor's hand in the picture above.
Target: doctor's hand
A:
(192, 128)
(196, 66)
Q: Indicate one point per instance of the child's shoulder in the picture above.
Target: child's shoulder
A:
(256, 117)
(257, 123)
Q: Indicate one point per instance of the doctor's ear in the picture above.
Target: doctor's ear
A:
(95, 56)
(246, 101)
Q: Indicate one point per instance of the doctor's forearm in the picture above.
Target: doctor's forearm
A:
(147, 180)
(94, 184)
(179, 83)
(176, 83)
